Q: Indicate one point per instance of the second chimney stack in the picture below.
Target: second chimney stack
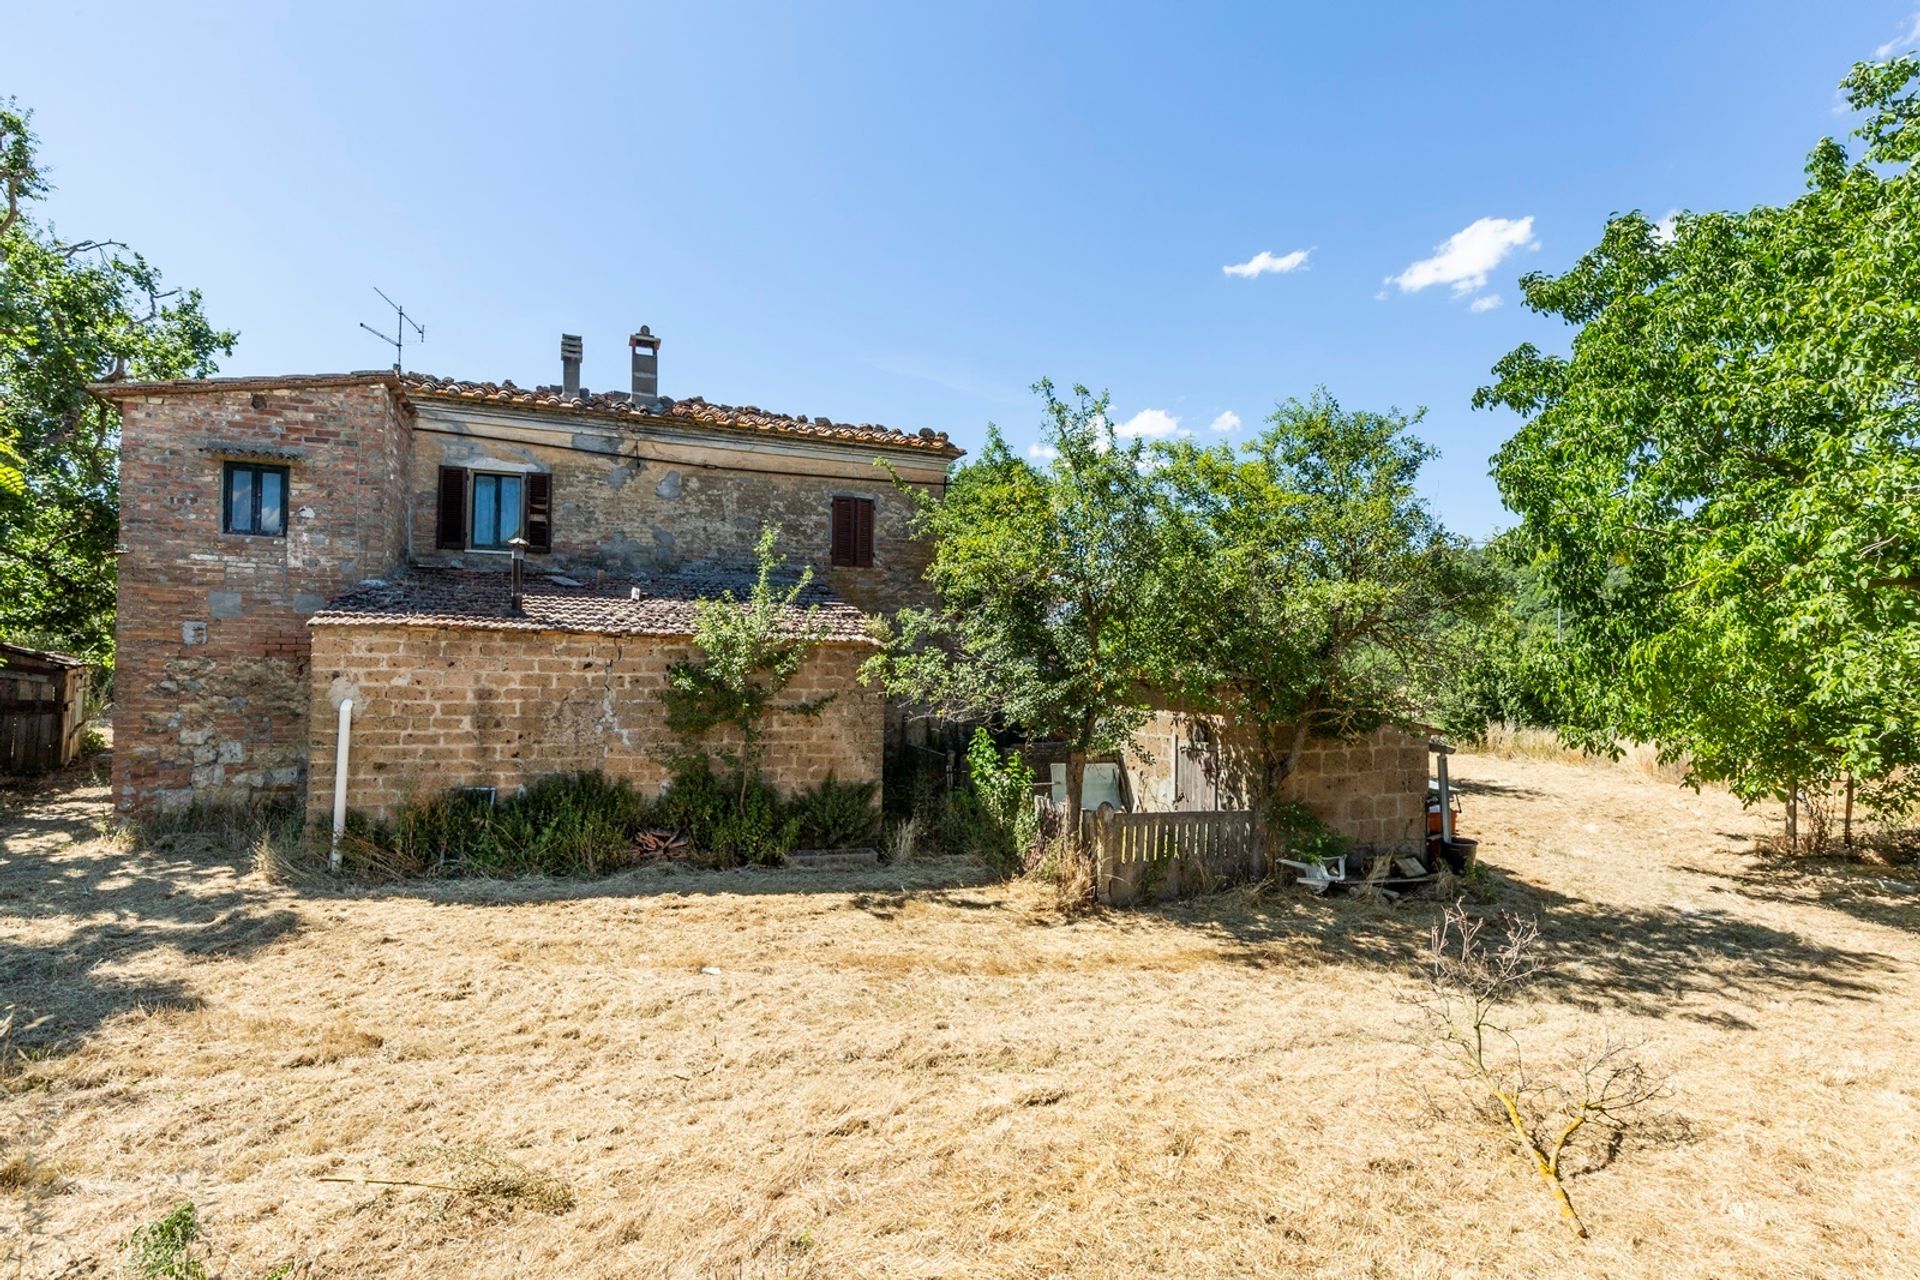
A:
(646, 366)
(570, 365)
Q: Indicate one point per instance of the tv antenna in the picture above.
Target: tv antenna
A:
(401, 324)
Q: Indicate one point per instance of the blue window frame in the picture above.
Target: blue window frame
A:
(254, 500)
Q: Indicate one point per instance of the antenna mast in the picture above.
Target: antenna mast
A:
(399, 339)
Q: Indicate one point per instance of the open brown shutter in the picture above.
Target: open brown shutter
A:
(540, 511)
(451, 528)
(863, 532)
(844, 528)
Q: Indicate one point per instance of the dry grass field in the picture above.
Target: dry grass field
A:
(920, 1073)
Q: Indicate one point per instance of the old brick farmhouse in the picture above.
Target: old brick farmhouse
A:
(292, 542)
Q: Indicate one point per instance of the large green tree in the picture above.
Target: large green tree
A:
(1046, 585)
(1720, 480)
(71, 312)
(1310, 578)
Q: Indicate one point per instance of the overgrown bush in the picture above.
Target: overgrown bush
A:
(837, 815)
(570, 824)
(1300, 833)
(730, 820)
(1002, 791)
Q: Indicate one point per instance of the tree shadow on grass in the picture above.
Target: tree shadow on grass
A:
(1887, 896)
(80, 913)
(1649, 961)
(1668, 961)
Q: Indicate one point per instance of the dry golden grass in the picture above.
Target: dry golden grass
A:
(920, 1074)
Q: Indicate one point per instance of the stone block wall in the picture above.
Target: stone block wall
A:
(630, 500)
(438, 708)
(1372, 790)
(211, 687)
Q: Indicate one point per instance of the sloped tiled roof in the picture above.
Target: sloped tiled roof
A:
(467, 599)
(693, 410)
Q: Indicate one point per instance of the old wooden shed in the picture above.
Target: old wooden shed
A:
(43, 708)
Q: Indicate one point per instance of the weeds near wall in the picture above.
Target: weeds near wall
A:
(1471, 980)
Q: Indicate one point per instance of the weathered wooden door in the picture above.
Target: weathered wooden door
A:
(1196, 770)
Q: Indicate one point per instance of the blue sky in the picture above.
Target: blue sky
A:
(908, 213)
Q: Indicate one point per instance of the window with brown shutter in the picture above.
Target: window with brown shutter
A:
(540, 511)
(450, 529)
(852, 532)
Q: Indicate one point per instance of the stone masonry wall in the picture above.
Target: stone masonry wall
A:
(211, 688)
(1372, 790)
(441, 708)
(629, 502)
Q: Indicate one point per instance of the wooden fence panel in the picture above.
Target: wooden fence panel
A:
(1149, 856)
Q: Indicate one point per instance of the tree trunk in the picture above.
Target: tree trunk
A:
(1846, 816)
(1278, 763)
(1793, 817)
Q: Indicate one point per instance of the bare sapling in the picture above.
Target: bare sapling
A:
(1473, 975)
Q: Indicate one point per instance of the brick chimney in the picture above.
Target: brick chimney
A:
(646, 366)
(569, 365)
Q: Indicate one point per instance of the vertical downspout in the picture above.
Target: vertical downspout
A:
(340, 752)
(1446, 799)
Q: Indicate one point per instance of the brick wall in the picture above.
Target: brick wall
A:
(1372, 790)
(211, 688)
(440, 708)
(631, 499)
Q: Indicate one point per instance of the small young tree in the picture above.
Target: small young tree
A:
(1471, 981)
(1046, 587)
(750, 652)
(1307, 578)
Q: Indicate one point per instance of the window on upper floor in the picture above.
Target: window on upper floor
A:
(852, 534)
(486, 510)
(499, 510)
(254, 499)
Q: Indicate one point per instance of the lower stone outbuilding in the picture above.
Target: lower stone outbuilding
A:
(453, 685)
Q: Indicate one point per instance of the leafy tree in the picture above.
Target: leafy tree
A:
(750, 652)
(1720, 482)
(1046, 589)
(1310, 578)
(71, 312)
(1502, 658)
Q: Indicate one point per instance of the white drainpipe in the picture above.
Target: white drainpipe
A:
(345, 736)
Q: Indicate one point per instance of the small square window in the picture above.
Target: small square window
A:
(255, 500)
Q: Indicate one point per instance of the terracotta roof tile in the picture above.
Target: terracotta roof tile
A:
(660, 606)
(748, 418)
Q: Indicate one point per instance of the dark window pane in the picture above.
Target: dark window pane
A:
(509, 508)
(240, 500)
(486, 510)
(273, 502)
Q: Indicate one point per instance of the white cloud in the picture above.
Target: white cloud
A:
(1042, 452)
(1153, 424)
(1905, 40)
(1663, 230)
(1228, 421)
(1486, 302)
(1463, 260)
(1265, 263)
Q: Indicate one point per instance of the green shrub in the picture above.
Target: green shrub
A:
(1002, 809)
(570, 824)
(837, 815)
(1303, 835)
(729, 820)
